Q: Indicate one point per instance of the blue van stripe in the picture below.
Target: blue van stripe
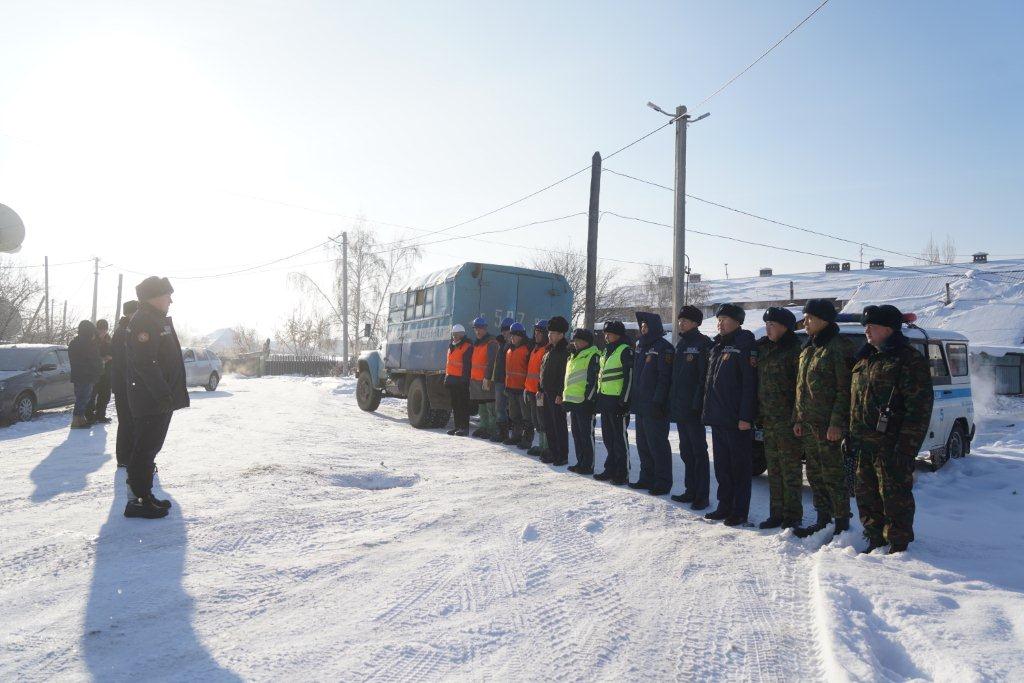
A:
(953, 393)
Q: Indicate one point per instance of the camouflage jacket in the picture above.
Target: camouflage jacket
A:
(776, 380)
(875, 374)
(823, 380)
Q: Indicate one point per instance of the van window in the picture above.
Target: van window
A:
(957, 359)
(937, 364)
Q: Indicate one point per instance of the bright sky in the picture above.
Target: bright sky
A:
(157, 136)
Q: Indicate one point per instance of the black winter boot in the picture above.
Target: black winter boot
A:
(527, 441)
(824, 519)
(773, 522)
(841, 526)
(500, 433)
(144, 508)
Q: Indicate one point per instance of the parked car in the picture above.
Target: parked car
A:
(202, 368)
(32, 377)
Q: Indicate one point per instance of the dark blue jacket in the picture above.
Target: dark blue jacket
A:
(84, 354)
(156, 371)
(689, 368)
(730, 390)
(652, 370)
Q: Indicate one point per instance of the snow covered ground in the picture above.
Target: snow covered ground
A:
(312, 541)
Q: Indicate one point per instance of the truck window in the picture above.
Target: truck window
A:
(957, 359)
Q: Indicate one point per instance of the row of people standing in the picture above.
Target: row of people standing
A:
(799, 395)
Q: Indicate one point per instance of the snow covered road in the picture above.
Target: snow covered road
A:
(310, 540)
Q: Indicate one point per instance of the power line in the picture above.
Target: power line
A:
(788, 225)
(763, 55)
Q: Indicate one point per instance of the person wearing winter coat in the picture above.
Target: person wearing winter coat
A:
(579, 397)
(496, 382)
(86, 370)
(552, 384)
(652, 383)
(730, 408)
(614, 385)
(517, 361)
(119, 385)
(456, 379)
(531, 388)
(481, 392)
(688, 373)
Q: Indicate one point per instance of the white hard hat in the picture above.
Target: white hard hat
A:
(458, 328)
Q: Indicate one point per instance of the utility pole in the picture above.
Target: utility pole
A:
(682, 120)
(590, 307)
(95, 287)
(64, 320)
(117, 310)
(726, 271)
(46, 296)
(344, 298)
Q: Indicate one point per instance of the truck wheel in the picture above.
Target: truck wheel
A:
(439, 418)
(418, 405)
(367, 395)
(758, 461)
(956, 447)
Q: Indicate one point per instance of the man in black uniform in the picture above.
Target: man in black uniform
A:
(156, 388)
(119, 385)
(97, 410)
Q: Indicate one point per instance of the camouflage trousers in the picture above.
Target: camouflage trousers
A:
(785, 473)
(885, 498)
(825, 473)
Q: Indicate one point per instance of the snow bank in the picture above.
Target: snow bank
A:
(952, 607)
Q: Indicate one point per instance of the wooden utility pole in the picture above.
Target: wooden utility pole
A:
(95, 288)
(590, 306)
(344, 298)
(46, 297)
(117, 310)
(64, 320)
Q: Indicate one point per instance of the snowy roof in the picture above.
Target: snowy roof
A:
(986, 305)
(842, 284)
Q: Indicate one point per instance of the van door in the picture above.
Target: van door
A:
(959, 370)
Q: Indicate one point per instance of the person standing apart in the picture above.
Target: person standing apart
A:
(156, 388)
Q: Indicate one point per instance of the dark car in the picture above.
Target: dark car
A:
(32, 377)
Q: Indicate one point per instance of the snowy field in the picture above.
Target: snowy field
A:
(312, 541)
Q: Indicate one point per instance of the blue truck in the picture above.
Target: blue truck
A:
(411, 360)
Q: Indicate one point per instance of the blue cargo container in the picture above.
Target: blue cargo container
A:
(410, 363)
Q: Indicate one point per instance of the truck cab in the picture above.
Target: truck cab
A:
(411, 360)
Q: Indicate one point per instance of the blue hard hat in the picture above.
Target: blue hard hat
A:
(480, 322)
(506, 323)
(517, 328)
(541, 325)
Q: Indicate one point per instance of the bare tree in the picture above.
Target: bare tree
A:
(572, 263)
(934, 253)
(303, 334)
(245, 340)
(20, 300)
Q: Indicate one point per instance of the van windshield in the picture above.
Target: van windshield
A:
(17, 359)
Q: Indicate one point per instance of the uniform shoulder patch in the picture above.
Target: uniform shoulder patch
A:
(143, 337)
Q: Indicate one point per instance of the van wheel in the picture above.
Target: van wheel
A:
(211, 384)
(417, 405)
(367, 396)
(956, 447)
(24, 407)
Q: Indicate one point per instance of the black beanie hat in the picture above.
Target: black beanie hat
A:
(783, 316)
(821, 308)
(86, 328)
(615, 327)
(152, 287)
(691, 313)
(129, 307)
(732, 311)
(558, 324)
(886, 314)
(584, 334)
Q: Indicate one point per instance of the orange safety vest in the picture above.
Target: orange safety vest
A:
(533, 369)
(479, 369)
(517, 359)
(454, 367)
